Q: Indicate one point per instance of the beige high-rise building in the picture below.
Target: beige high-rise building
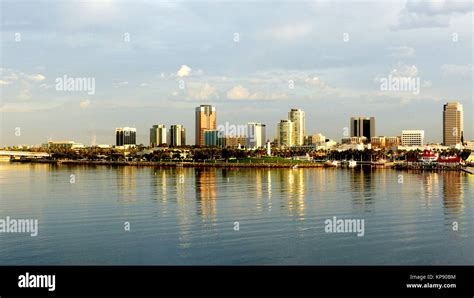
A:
(177, 135)
(285, 131)
(205, 120)
(158, 135)
(297, 117)
(453, 123)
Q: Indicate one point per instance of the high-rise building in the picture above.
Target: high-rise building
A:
(285, 131)
(363, 127)
(158, 135)
(297, 117)
(256, 135)
(453, 123)
(125, 136)
(413, 137)
(205, 120)
(177, 135)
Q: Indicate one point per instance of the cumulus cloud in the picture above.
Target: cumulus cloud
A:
(36, 77)
(202, 91)
(238, 92)
(84, 103)
(184, 71)
(314, 80)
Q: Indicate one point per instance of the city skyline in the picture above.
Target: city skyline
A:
(139, 73)
(285, 136)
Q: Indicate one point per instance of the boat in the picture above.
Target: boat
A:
(332, 163)
(352, 163)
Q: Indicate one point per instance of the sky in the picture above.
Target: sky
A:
(153, 62)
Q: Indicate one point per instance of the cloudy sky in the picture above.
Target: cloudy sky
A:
(153, 62)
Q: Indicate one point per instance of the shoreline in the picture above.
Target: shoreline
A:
(176, 164)
(288, 165)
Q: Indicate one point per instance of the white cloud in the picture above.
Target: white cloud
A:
(184, 71)
(456, 70)
(314, 80)
(201, 91)
(439, 7)
(2, 82)
(84, 103)
(238, 92)
(403, 70)
(430, 13)
(36, 77)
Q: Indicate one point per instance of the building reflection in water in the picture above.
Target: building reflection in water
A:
(159, 186)
(361, 183)
(126, 184)
(293, 187)
(453, 193)
(206, 193)
(269, 188)
(430, 187)
(183, 211)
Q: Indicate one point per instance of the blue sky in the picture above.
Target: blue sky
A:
(241, 56)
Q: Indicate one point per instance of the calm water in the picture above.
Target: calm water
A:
(186, 216)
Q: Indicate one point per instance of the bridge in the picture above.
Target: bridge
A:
(20, 154)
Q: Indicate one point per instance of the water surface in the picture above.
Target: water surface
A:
(187, 216)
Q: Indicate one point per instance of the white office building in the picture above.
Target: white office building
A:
(413, 137)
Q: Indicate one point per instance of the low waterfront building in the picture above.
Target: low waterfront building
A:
(212, 137)
(354, 140)
(64, 145)
(392, 141)
(378, 142)
(469, 145)
(235, 142)
(429, 156)
(316, 139)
